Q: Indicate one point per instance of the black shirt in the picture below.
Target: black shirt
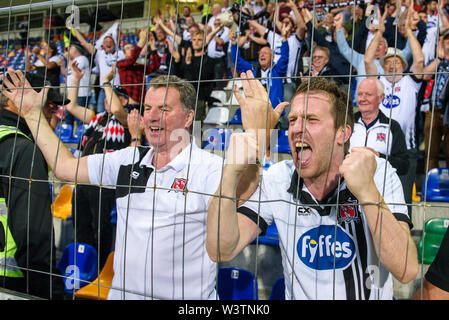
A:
(29, 214)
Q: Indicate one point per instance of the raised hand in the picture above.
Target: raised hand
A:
(358, 169)
(77, 73)
(110, 75)
(257, 111)
(135, 125)
(19, 91)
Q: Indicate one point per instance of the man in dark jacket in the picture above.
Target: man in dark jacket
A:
(27, 249)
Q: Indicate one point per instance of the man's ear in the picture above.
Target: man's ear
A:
(343, 134)
(189, 118)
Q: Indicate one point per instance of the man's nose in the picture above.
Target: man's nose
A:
(298, 126)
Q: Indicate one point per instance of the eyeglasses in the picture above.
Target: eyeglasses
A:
(319, 57)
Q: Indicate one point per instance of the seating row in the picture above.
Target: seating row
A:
(79, 267)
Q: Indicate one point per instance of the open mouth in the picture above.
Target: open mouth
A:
(303, 154)
(155, 130)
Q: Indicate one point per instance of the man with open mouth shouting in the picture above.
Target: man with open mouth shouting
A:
(344, 230)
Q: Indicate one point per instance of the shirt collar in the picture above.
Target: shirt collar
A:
(324, 206)
(178, 163)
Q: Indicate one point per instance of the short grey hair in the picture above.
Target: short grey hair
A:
(380, 87)
(187, 92)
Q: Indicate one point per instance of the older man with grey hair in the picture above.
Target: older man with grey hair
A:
(373, 129)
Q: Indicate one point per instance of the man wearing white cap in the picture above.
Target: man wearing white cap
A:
(401, 93)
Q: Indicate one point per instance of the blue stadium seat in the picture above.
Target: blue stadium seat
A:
(114, 215)
(236, 284)
(437, 185)
(271, 237)
(79, 132)
(278, 289)
(283, 144)
(64, 131)
(237, 117)
(217, 139)
(78, 265)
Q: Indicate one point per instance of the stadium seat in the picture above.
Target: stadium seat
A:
(237, 117)
(236, 284)
(232, 82)
(232, 101)
(78, 265)
(99, 288)
(62, 206)
(64, 131)
(283, 145)
(433, 233)
(437, 185)
(415, 196)
(79, 132)
(271, 237)
(114, 215)
(217, 116)
(217, 139)
(278, 289)
(221, 96)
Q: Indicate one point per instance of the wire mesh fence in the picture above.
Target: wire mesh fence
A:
(203, 150)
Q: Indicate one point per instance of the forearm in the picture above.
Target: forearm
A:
(116, 106)
(418, 56)
(392, 238)
(57, 156)
(222, 223)
(370, 67)
(88, 46)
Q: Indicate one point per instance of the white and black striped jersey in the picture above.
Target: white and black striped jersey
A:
(160, 250)
(327, 250)
(400, 100)
(384, 137)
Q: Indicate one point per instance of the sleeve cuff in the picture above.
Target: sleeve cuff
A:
(257, 219)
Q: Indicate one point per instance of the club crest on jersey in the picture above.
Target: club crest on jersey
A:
(326, 247)
(178, 185)
(348, 212)
(380, 137)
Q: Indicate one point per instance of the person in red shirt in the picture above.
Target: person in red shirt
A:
(132, 74)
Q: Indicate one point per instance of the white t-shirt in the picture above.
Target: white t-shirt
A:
(104, 62)
(430, 45)
(293, 46)
(39, 63)
(401, 101)
(217, 51)
(83, 64)
(307, 235)
(160, 248)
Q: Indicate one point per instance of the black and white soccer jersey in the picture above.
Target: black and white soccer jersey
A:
(400, 101)
(160, 250)
(327, 250)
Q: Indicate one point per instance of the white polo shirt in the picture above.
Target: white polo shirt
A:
(307, 232)
(275, 41)
(160, 248)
